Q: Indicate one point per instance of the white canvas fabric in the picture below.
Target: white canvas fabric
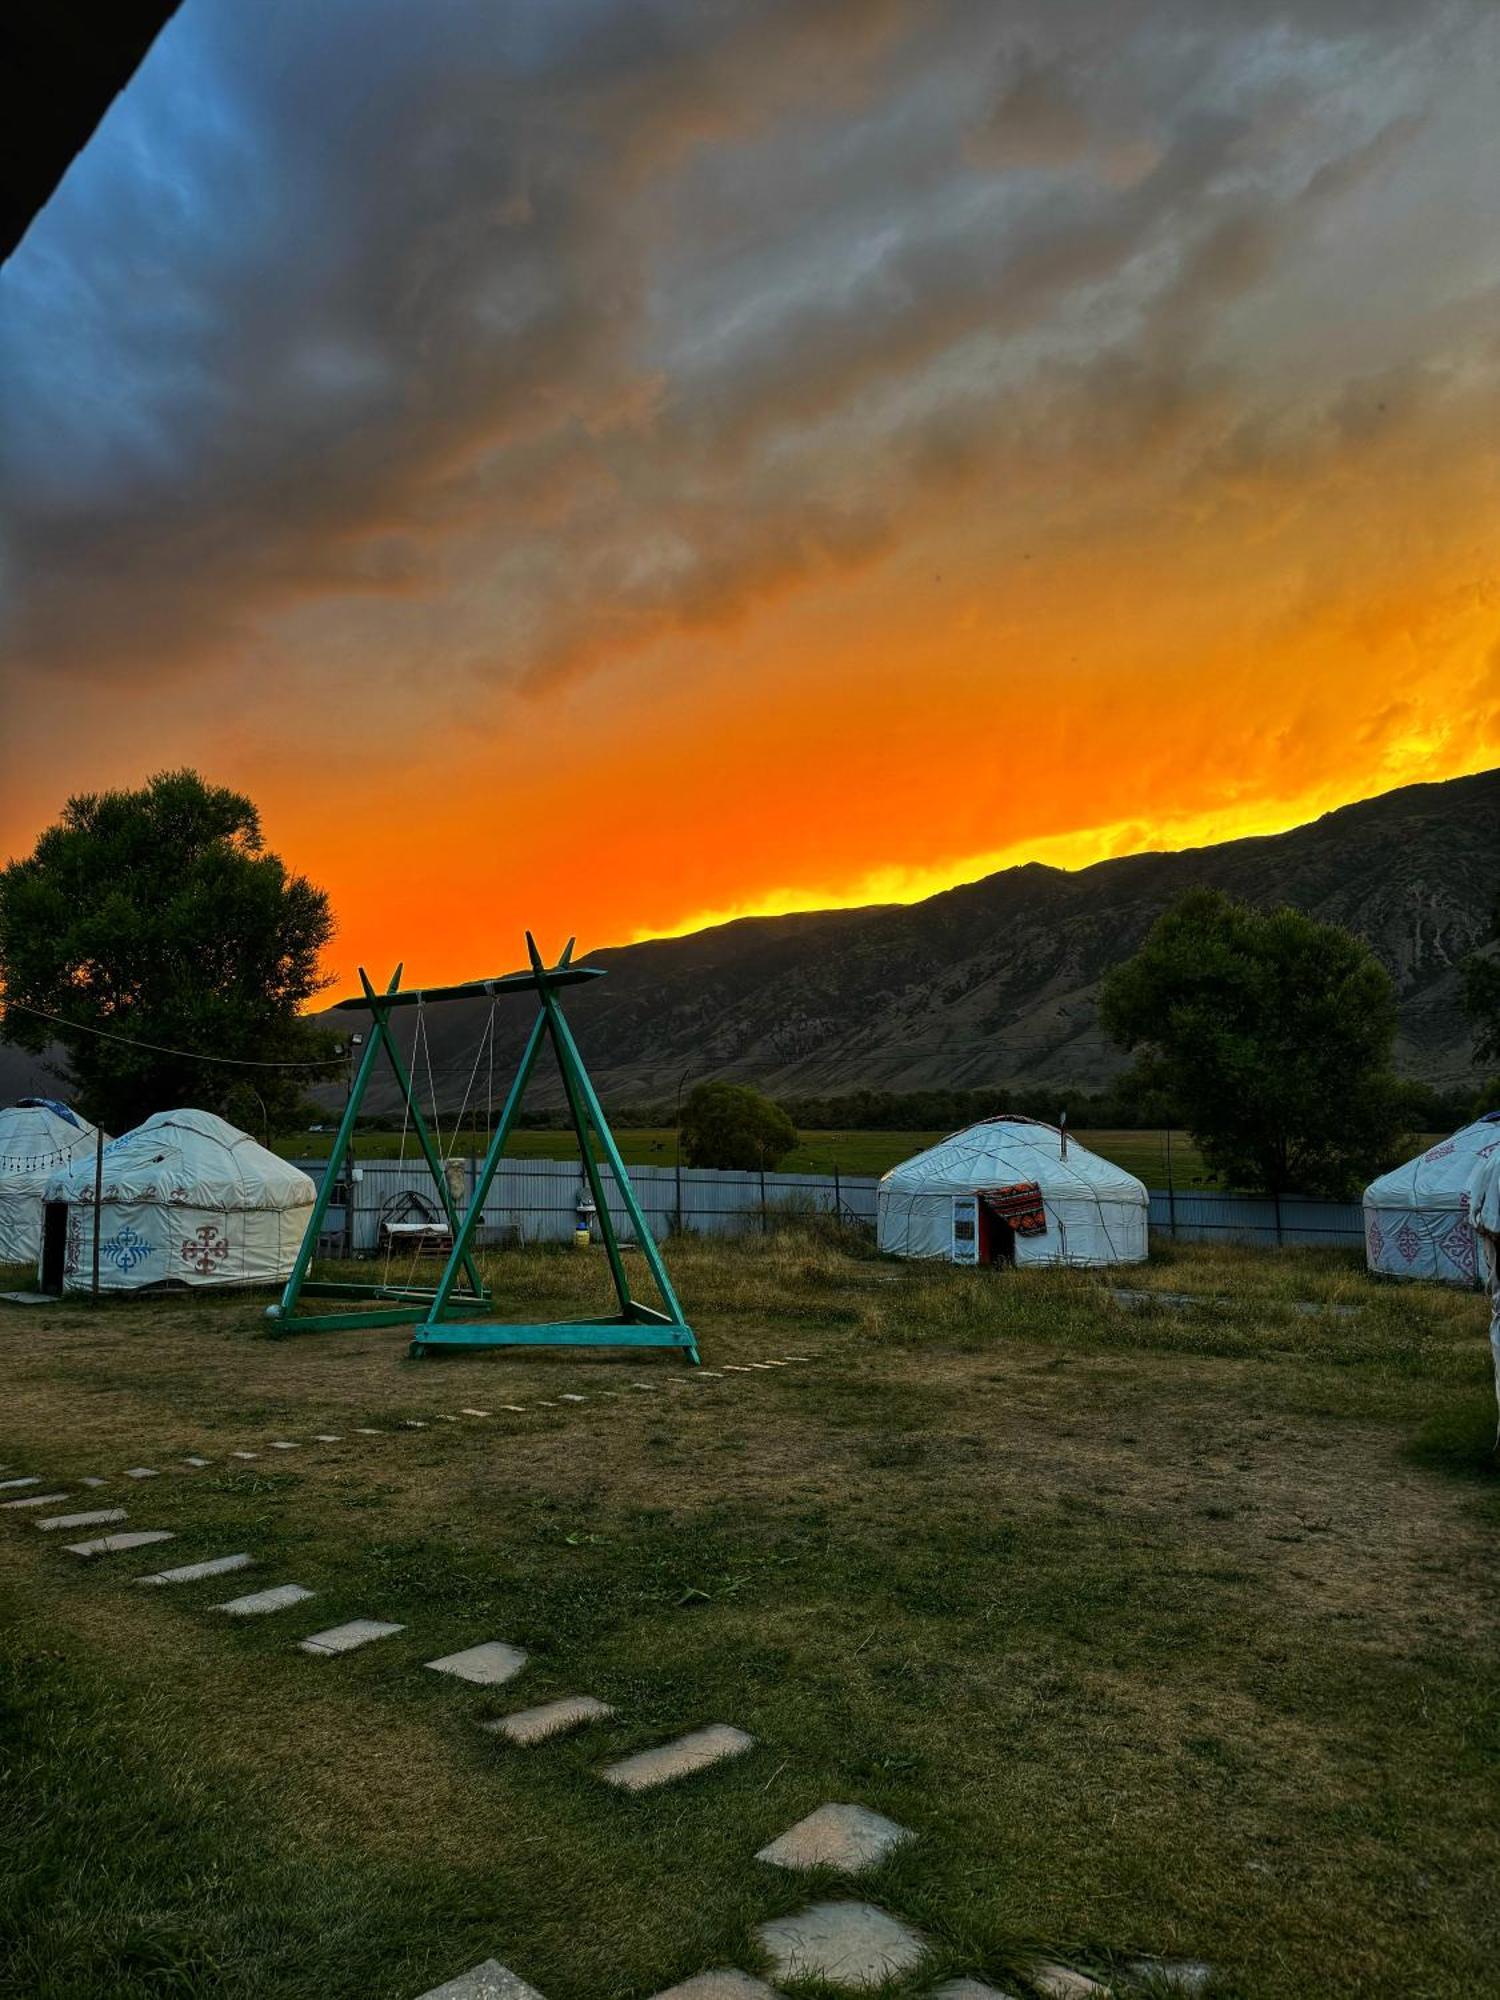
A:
(1483, 1191)
(1096, 1212)
(186, 1199)
(37, 1137)
(1417, 1222)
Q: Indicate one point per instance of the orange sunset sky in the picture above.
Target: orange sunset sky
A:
(611, 467)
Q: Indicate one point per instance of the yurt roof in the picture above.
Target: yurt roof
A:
(38, 1135)
(189, 1158)
(1002, 1150)
(1438, 1177)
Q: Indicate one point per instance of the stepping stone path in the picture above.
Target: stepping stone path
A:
(1172, 1975)
(1061, 1982)
(680, 1759)
(199, 1462)
(846, 1944)
(142, 1472)
(727, 1985)
(486, 1665)
(489, 1981)
(193, 1572)
(260, 1601)
(574, 1399)
(344, 1638)
(97, 1519)
(108, 1545)
(550, 1718)
(285, 1444)
(476, 1413)
(31, 1479)
(90, 1480)
(849, 1838)
(327, 1437)
(244, 1454)
(36, 1500)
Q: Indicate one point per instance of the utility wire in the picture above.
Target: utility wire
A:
(160, 1048)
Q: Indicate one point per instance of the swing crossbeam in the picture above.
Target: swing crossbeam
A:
(449, 1306)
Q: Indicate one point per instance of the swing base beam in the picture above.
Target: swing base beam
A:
(399, 1312)
(644, 1327)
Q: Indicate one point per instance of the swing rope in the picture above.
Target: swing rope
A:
(390, 1241)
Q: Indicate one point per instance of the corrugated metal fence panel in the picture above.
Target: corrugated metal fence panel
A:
(1247, 1218)
(535, 1201)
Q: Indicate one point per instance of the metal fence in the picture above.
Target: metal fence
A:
(537, 1201)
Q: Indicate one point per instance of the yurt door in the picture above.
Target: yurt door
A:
(966, 1229)
(54, 1245)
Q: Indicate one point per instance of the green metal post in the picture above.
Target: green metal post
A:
(590, 1164)
(568, 1057)
(464, 1234)
(325, 1192)
(424, 1137)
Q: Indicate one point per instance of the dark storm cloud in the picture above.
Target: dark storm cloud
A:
(582, 323)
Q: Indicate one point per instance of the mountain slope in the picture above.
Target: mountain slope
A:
(997, 981)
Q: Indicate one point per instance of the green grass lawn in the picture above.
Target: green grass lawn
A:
(1166, 1631)
(1142, 1153)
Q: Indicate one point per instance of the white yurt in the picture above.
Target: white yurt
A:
(1012, 1190)
(1484, 1218)
(1417, 1215)
(186, 1199)
(38, 1135)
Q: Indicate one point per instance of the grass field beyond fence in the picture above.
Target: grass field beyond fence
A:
(1167, 1629)
(1142, 1153)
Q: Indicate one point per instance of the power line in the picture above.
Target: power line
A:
(161, 1049)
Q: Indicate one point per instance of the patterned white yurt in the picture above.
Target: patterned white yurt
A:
(1012, 1190)
(186, 1199)
(1417, 1215)
(38, 1135)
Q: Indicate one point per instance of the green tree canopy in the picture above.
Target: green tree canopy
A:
(158, 916)
(731, 1126)
(1481, 994)
(1273, 1034)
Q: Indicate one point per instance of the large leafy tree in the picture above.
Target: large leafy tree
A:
(159, 917)
(1273, 1034)
(729, 1125)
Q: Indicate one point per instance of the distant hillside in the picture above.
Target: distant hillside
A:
(997, 981)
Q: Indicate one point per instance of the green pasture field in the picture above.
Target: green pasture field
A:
(1167, 1630)
(1142, 1153)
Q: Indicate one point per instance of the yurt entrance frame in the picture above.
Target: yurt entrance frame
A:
(635, 1324)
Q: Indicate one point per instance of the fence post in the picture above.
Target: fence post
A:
(1171, 1190)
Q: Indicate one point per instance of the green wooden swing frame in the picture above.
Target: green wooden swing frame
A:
(455, 1317)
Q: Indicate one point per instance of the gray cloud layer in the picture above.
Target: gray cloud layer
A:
(520, 334)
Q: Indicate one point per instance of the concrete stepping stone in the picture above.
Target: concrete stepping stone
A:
(344, 1638)
(549, 1718)
(735, 1368)
(1171, 1975)
(244, 1454)
(93, 1479)
(573, 1399)
(487, 1665)
(97, 1519)
(286, 1444)
(367, 1431)
(142, 1472)
(198, 1462)
(192, 1572)
(258, 1602)
(489, 1981)
(846, 1944)
(679, 1759)
(477, 1413)
(544, 1405)
(849, 1838)
(327, 1437)
(970, 1989)
(108, 1545)
(414, 1423)
(30, 1479)
(1062, 1982)
(725, 1985)
(519, 1408)
(36, 1500)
